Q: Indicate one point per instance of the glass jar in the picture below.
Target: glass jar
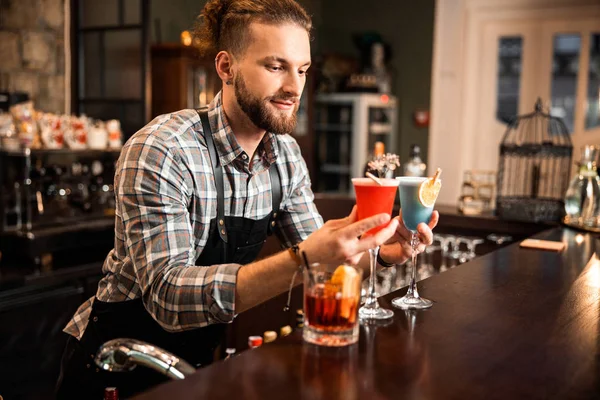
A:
(582, 200)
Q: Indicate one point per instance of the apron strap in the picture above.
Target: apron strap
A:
(274, 176)
(275, 195)
(217, 170)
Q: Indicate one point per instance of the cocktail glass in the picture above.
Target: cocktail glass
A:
(373, 199)
(413, 213)
(472, 244)
(331, 300)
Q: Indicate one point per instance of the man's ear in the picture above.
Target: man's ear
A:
(224, 64)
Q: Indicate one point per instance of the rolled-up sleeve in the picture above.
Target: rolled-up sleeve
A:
(153, 191)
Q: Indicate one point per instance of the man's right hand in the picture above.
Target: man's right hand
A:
(340, 241)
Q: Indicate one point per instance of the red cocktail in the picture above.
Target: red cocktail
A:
(374, 198)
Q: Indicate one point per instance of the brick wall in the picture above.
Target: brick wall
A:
(32, 57)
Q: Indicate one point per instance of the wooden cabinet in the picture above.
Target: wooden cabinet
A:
(181, 78)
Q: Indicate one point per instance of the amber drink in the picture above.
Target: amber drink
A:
(331, 301)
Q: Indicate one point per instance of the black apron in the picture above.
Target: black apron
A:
(231, 240)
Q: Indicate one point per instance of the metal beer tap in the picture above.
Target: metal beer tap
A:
(125, 354)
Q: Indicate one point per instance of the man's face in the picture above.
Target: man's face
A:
(271, 74)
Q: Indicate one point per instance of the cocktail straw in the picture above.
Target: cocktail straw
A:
(306, 264)
(374, 178)
(438, 172)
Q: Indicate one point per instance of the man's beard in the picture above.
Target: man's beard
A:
(259, 111)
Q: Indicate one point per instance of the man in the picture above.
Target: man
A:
(198, 193)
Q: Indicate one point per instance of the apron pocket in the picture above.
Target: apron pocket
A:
(247, 254)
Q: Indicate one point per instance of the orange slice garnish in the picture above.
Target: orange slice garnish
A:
(429, 191)
(347, 278)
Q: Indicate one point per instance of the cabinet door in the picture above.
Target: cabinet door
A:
(110, 61)
(181, 78)
(334, 146)
(31, 338)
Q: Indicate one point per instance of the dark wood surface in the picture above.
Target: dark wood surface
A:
(512, 324)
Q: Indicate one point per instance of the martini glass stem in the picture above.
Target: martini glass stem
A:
(372, 296)
(412, 287)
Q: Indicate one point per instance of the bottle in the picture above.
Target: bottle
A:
(111, 393)
(378, 151)
(255, 341)
(379, 69)
(269, 336)
(415, 166)
(299, 318)
(582, 200)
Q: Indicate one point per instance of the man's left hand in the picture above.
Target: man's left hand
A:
(398, 249)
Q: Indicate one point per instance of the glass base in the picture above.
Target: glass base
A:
(411, 303)
(330, 338)
(374, 313)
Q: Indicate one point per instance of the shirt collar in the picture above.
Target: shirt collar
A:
(227, 146)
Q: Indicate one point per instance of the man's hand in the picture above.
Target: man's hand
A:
(337, 241)
(398, 248)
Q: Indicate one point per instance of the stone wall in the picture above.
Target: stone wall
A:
(32, 57)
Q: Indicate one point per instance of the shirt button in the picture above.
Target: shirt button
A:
(95, 319)
(245, 156)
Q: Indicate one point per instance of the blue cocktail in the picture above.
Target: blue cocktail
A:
(417, 198)
(413, 212)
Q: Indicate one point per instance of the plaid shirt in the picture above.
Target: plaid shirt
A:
(166, 198)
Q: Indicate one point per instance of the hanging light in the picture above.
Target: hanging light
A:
(186, 38)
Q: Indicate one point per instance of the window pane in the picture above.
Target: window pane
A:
(565, 64)
(132, 11)
(90, 76)
(509, 77)
(99, 13)
(133, 119)
(592, 116)
(123, 64)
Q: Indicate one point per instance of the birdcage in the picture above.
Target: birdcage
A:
(534, 166)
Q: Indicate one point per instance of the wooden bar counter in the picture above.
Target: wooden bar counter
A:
(512, 324)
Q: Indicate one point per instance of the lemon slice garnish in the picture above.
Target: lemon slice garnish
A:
(429, 191)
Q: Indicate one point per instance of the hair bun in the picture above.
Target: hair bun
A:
(211, 20)
(223, 24)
